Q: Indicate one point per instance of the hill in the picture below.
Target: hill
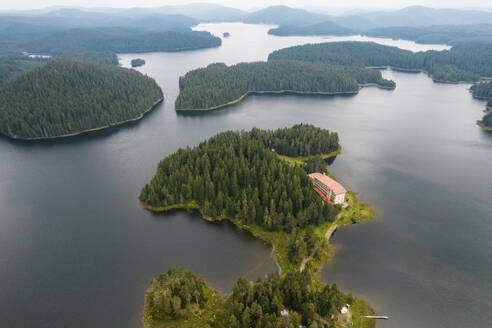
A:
(283, 15)
(293, 21)
(64, 97)
(219, 85)
(119, 40)
(12, 64)
(424, 16)
(447, 34)
(67, 18)
(204, 12)
(325, 28)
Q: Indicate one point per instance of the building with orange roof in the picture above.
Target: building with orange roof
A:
(329, 189)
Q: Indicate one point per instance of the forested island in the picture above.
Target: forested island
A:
(182, 299)
(463, 63)
(484, 91)
(137, 62)
(63, 98)
(219, 85)
(258, 180)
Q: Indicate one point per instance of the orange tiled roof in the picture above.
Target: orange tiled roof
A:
(329, 182)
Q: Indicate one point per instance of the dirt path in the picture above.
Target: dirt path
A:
(328, 235)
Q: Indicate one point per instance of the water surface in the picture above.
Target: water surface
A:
(77, 250)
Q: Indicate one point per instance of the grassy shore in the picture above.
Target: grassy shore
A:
(483, 126)
(301, 160)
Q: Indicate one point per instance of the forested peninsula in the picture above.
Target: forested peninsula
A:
(436, 34)
(443, 34)
(219, 85)
(324, 28)
(182, 299)
(484, 91)
(63, 98)
(258, 180)
(463, 63)
(122, 40)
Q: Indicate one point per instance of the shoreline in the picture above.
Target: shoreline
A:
(479, 97)
(320, 93)
(88, 130)
(326, 230)
(483, 126)
(280, 240)
(421, 70)
(303, 159)
(192, 206)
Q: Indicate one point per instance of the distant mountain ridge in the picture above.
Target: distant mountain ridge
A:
(422, 23)
(283, 15)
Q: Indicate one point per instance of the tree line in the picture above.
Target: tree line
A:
(13, 63)
(176, 294)
(277, 301)
(64, 97)
(464, 62)
(218, 84)
(442, 34)
(236, 175)
(122, 40)
(484, 90)
(324, 28)
(288, 301)
(447, 34)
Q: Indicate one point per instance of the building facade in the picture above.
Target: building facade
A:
(329, 189)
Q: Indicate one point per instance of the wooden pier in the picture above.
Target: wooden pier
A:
(376, 317)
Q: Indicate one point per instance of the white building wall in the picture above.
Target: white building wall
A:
(339, 199)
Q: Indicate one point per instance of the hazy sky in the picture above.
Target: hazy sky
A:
(250, 4)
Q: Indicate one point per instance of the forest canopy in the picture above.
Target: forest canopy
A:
(65, 97)
(324, 28)
(462, 63)
(218, 84)
(178, 294)
(447, 34)
(484, 91)
(122, 40)
(236, 175)
(181, 298)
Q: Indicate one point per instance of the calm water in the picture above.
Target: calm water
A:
(76, 249)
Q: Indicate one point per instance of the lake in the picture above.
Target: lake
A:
(77, 250)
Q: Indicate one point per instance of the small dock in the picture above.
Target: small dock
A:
(383, 317)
